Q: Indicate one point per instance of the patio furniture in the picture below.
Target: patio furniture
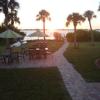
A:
(31, 53)
(2, 59)
(8, 34)
(6, 58)
(15, 57)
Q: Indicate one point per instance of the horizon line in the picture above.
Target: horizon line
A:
(55, 29)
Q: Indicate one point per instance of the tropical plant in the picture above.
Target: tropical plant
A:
(90, 15)
(12, 18)
(8, 8)
(43, 15)
(76, 19)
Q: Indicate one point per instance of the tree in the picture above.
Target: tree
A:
(12, 18)
(57, 36)
(90, 15)
(43, 15)
(76, 19)
(4, 9)
(8, 7)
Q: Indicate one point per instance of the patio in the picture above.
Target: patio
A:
(28, 54)
(26, 62)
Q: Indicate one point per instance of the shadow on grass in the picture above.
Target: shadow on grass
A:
(32, 84)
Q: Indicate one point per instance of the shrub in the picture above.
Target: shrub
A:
(83, 36)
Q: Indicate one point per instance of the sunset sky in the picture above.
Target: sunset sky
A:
(58, 9)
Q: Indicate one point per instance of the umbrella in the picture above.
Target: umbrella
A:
(38, 34)
(10, 34)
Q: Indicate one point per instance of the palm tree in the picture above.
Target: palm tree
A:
(13, 5)
(76, 19)
(89, 15)
(4, 9)
(12, 18)
(8, 7)
(43, 15)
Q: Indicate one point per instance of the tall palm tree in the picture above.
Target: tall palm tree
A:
(7, 7)
(4, 9)
(43, 15)
(12, 18)
(13, 5)
(76, 19)
(90, 15)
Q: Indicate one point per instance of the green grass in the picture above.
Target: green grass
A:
(54, 45)
(32, 84)
(2, 48)
(84, 60)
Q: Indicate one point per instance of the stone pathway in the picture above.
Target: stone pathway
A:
(75, 84)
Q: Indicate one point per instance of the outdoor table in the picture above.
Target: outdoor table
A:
(37, 49)
(46, 49)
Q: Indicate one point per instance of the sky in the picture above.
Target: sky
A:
(58, 9)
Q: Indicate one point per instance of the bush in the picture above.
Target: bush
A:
(58, 36)
(70, 37)
(83, 36)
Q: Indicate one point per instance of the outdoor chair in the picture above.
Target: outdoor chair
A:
(31, 53)
(2, 59)
(6, 56)
(15, 57)
(22, 53)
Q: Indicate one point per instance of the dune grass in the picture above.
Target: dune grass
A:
(84, 60)
(32, 84)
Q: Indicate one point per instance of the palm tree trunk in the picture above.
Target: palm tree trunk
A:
(92, 36)
(75, 39)
(44, 28)
(6, 21)
(6, 13)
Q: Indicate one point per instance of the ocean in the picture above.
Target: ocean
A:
(48, 32)
(62, 31)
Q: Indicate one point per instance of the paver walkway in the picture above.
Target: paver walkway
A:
(75, 84)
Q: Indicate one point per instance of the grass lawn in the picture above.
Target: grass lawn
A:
(32, 84)
(84, 60)
(54, 45)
